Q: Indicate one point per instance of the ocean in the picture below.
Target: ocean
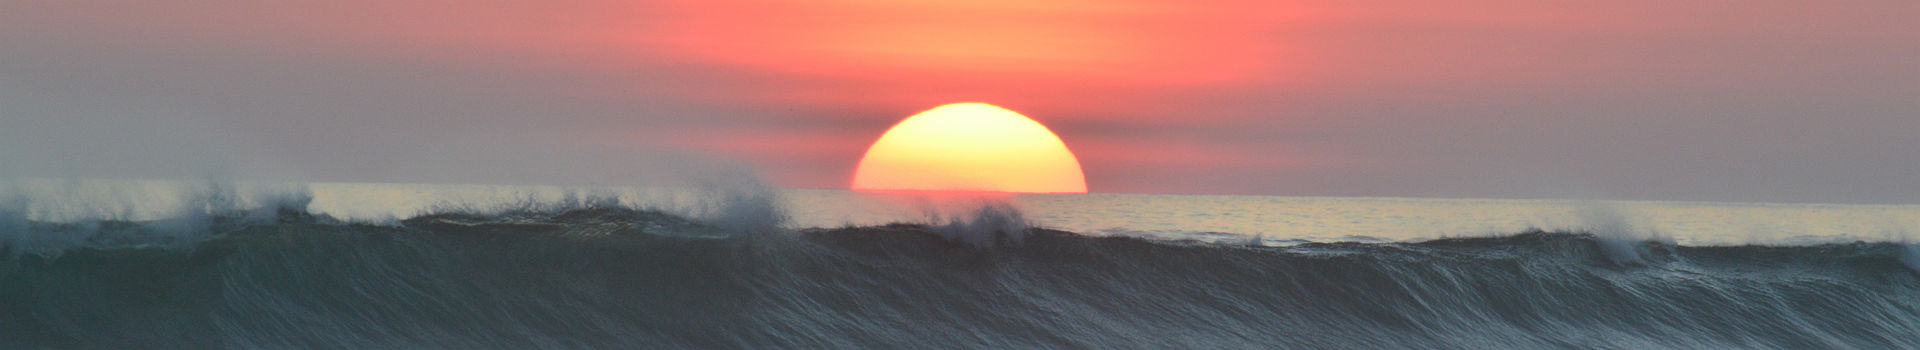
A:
(155, 264)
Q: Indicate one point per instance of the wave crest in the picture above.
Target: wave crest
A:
(620, 277)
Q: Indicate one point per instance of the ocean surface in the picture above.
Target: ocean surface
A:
(154, 264)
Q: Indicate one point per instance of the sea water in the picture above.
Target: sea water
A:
(156, 264)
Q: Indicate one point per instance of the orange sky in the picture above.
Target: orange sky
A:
(1377, 97)
(1018, 52)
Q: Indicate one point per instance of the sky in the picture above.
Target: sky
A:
(1771, 101)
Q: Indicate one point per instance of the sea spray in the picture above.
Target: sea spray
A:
(48, 217)
(225, 206)
(739, 202)
(13, 222)
(1618, 237)
(985, 223)
(215, 206)
(1911, 256)
(979, 219)
(590, 198)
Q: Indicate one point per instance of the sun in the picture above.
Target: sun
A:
(970, 147)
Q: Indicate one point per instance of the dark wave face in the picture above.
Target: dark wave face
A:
(614, 278)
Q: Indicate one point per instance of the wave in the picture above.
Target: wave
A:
(602, 276)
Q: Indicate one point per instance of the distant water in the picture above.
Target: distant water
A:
(213, 265)
(1203, 217)
(1398, 219)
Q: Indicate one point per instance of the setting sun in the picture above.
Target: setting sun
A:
(970, 147)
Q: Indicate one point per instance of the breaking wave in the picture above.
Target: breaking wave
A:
(597, 274)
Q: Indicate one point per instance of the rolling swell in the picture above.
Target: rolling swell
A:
(624, 278)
